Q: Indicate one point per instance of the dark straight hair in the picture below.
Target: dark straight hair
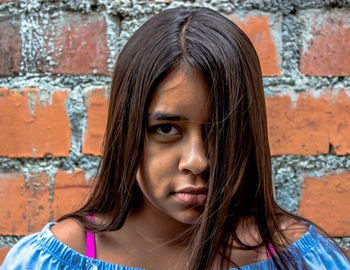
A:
(240, 182)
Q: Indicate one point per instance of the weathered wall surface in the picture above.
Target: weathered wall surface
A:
(56, 60)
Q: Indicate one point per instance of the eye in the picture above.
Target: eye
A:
(165, 132)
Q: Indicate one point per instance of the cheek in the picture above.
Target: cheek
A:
(156, 173)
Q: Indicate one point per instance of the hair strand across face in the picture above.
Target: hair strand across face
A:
(240, 181)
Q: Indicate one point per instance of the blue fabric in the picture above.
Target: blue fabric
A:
(43, 251)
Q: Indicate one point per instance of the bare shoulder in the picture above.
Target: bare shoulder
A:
(71, 233)
(293, 229)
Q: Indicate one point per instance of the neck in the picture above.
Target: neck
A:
(158, 229)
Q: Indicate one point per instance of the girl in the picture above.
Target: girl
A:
(185, 176)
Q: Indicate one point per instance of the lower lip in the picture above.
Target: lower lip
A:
(191, 198)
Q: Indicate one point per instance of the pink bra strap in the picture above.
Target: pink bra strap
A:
(272, 250)
(90, 242)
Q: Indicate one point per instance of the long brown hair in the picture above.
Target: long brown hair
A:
(240, 181)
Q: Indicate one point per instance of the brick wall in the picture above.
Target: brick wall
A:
(56, 60)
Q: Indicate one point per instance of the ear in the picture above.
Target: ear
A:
(139, 183)
(138, 174)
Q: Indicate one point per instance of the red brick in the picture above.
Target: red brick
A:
(327, 53)
(97, 104)
(80, 44)
(3, 252)
(28, 203)
(311, 125)
(71, 191)
(326, 202)
(25, 205)
(258, 30)
(26, 133)
(10, 47)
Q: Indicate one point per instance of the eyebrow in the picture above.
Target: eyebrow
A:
(165, 116)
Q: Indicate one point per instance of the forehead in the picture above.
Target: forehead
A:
(183, 92)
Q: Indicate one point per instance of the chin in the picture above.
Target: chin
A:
(192, 216)
(189, 221)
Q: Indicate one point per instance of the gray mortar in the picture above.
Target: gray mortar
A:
(134, 9)
(344, 242)
(290, 41)
(22, 165)
(289, 172)
(76, 112)
(82, 6)
(113, 24)
(33, 38)
(9, 240)
(122, 19)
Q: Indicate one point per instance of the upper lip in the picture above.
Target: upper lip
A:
(193, 190)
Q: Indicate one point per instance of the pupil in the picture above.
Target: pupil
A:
(165, 128)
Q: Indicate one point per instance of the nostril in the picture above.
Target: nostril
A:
(206, 175)
(194, 166)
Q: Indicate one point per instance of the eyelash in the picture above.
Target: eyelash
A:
(157, 130)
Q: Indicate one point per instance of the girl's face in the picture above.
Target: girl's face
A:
(173, 173)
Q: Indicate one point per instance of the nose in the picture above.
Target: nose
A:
(194, 156)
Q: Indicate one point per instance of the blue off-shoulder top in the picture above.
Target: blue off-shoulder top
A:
(43, 251)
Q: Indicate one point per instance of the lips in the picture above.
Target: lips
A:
(195, 196)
